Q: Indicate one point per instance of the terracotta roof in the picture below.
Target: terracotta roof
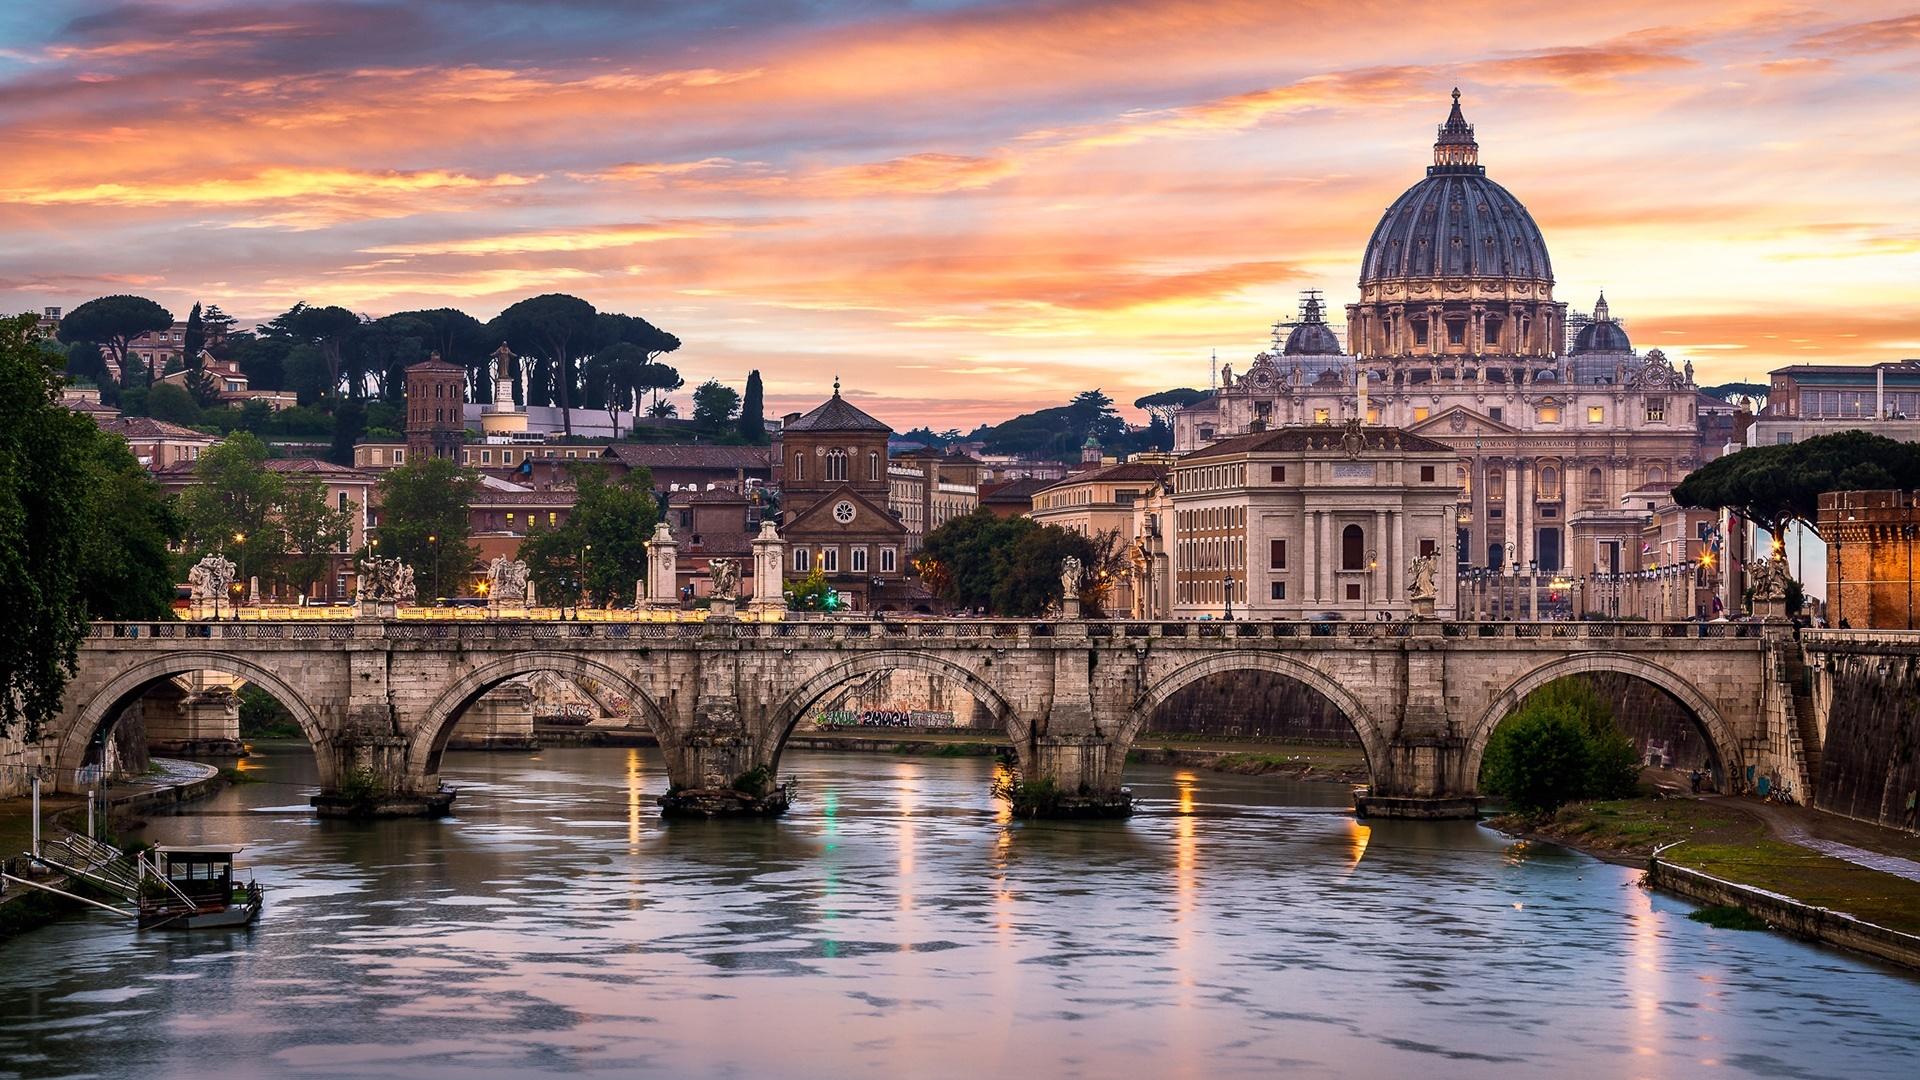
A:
(1321, 437)
(1016, 491)
(146, 427)
(837, 414)
(508, 499)
(717, 495)
(715, 542)
(1126, 470)
(317, 467)
(691, 456)
(434, 363)
(92, 408)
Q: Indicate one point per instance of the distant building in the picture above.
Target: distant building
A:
(436, 424)
(231, 386)
(1013, 498)
(832, 473)
(928, 488)
(1805, 400)
(1311, 521)
(156, 444)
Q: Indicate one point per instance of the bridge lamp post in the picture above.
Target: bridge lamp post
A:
(239, 541)
(433, 542)
(1373, 578)
(1533, 589)
(1228, 593)
(1508, 586)
(586, 565)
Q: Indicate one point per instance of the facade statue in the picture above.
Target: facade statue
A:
(1071, 573)
(506, 580)
(210, 578)
(1769, 578)
(1420, 578)
(726, 578)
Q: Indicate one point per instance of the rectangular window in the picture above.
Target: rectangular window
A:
(1320, 416)
(1353, 590)
(1656, 410)
(1549, 414)
(1421, 412)
(799, 467)
(486, 457)
(1429, 546)
(802, 559)
(399, 457)
(553, 518)
(343, 501)
(1426, 474)
(1497, 414)
(1596, 414)
(1276, 554)
(1279, 590)
(1420, 332)
(887, 558)
(858, 557)
(1278, 474)
(830, 560)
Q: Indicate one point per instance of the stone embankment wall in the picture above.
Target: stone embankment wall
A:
(1785, 913)
(1870, 756)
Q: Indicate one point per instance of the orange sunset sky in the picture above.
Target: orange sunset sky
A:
(964, 209)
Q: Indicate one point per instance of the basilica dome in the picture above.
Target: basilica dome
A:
(1603, 334)
(1456, 223)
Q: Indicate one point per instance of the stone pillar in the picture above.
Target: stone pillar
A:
(715, 766)
(1323, 573)
(365, 768)
(663, 571)
(1420, 776)
(501, 720)
(1309, 556)
(1378, 573)
(196, 715)
(769, 570)
(1397, 578)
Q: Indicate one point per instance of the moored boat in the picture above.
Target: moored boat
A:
(196, 890)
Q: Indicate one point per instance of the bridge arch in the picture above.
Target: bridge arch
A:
(1372, 740)
(436, 727)
(788, 714)
(111, 700)
(1718, 731)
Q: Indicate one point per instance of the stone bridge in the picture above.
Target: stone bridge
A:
(378, 698)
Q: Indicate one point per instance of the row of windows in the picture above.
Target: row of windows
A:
(803, 559)
(1213, 554)
(1213, 517)
(1856, 404)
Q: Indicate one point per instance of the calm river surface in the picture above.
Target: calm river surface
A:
(894, 925)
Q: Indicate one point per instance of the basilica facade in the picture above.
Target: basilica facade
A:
(1456, 337)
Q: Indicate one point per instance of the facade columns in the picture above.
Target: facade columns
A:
(1397, 568)
(1383, 557)
(1512, 509)
(1323, 587)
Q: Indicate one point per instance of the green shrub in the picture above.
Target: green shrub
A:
(1562, 744)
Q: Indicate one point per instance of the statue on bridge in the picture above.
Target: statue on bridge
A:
(1071, 574)
(726, 578)
(1420, 574)
(384, 581)
(1769, 578)
(211, 578)
(506, 581)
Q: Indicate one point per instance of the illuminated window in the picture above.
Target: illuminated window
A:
(1656, 410)
(1373, 415)
(1496, 485)
(1319, 416)
(553, 519)
(1596, 414)
(1549, 414)
(1421, 412)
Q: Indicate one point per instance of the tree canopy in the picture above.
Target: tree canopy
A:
(1773, 486)
(112, 321)
(1560, 745)
(277, 526)
(45, 452)
(600, 553)
(1163, 405)
(424, 522)
(753, 417)
(1060, 431)
(1008, 567)
(714, 405)
(557, 329)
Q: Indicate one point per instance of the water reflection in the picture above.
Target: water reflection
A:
(900, 923)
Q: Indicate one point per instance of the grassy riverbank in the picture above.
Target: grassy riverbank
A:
(1723, 838)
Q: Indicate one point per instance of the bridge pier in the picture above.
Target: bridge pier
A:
(1070, 776)
(718, 770)
(201, 719)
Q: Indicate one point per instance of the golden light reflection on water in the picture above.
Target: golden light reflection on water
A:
(906, 777)
(1002, 896)
(636, 784)
(1357, 836)
(1186, 858)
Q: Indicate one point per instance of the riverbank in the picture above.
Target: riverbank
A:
(1722, 851)
(170, 783)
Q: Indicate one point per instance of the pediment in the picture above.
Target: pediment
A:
(869, 516)
(1460, 420)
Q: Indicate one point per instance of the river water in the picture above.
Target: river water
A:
(896, 924)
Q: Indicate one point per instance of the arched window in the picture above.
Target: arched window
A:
(1656, 475)
(1596, 485)
(799, 466)
(873, 465)
(1465, 479)
(1549, 482)
(1353, 548)
(1496, 485)
(836, 464)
